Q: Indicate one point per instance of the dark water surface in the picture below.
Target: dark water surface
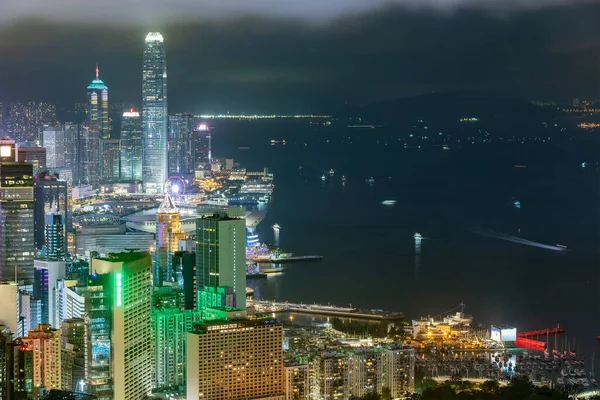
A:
(460, 200)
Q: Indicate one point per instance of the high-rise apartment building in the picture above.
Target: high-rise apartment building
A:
(16, 220)
(97, 109)
(170, 327)
(74, 338)
(202, 148)
(364, 371)
(296, 381)
(44, 345)
(221, 257)
(9, 312)
(54, 142)
(17, 123)
(154, 114)
(330, 377)
(119, 304)
(41, 115)
(168, 234)
(109, 160)
(181, 127)
(235, 359)
(51, 197)
(89, 151)
(131, 146)
(398, 371)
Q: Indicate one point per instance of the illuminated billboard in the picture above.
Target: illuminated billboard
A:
(503, 334)
(5, 151)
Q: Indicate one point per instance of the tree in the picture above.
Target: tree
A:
(386, 393)
(490, 386)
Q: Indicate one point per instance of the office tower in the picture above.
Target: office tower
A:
(30, 312)
(17, 121)
(98, 106)
(71, 147)
(51, 197)
(16, 221)
(122, 337)
(221, 256)
(70, 299)
(202, 148)
(74, 338)
(54, 142)
(184, 265)
(44, 345)
(181, 127)
(170, 326)
(40, 115)
(36, 156)
(109, 160)
(5, 339)
(398, 373)
(89, 150)
(168, 234)
(237, 359)
(364, 371)
(154, 113)
(55, 237)
(296, 381)
(46, 275)
(9, 312)
(131, 146)
(330, 377)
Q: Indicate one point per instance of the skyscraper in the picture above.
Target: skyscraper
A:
(89, 150)
(168, 234)
(51, 196)
(36, 156)
(54, 142)
(296, 381)
(109, 160)
(55, 236)
(121, 337)
(202, 148)
(16, 219)
(221, 259)
(235, 359)
(154, 113)
(72, 148)
(181, 127)
(131, 146)
(47, 273)
(44, 345)
(98, 106)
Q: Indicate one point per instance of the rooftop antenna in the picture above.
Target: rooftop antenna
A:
(97, 72)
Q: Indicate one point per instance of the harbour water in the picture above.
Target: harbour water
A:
(371, 258)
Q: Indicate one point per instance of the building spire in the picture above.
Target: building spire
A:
(97, 72)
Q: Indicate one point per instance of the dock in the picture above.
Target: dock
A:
(343, 312)
(273, 259)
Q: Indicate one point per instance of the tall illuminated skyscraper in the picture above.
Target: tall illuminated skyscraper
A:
(201, 148)
(154, 113)
(98, 106)
(168, 234)
(131, 146)
(181, 127)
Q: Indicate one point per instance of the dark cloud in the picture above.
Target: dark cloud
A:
(260, 64)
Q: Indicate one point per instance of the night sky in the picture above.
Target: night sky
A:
(301, 56)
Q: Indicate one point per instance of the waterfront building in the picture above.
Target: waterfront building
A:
(170, 327)
(154, 114)
(97, 93)
(16, 220)
(235, 358)
(54, 142)
(330, 377)
(55, 244)
(398, 370)
(131, 146)
(118, 300)
(51, 197)
(202, 148)
(168, 234)
(221, 256)
(44, 345)
(36, 156)
(181, 127)
(109, 160)
(89, 149)
(9, 312)
(296, 381)
(364, 371)
(46, 276)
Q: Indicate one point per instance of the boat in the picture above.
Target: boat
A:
(273, 271)
(256, 275)
(276, 226)
(418, 235)
(331, 172)
(323, 178)
(370, 181)
(389, 202)
(344, 178)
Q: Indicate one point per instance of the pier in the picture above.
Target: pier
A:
(274, 259)
(344, 312)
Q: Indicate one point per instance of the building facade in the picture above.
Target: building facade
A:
(97, 93)
(110, 158)
(297, 385)
(89, 151)
(131, 146)
(51, 196)
(154, 114)
(181, 127)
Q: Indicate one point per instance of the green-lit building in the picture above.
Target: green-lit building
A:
(221, 261)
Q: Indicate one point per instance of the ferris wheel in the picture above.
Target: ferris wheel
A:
(175, 187)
